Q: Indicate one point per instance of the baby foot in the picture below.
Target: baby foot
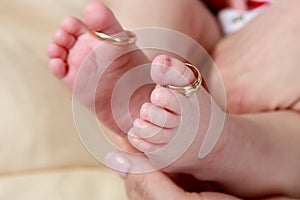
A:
(72, 43)
(160, 119)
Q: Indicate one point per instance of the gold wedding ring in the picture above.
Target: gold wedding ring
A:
(190, 89)
(129, 39)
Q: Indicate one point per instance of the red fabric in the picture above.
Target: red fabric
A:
(255, 4)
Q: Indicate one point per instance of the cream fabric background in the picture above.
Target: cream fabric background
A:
(41, 156)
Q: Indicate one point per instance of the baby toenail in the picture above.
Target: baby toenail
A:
(158, 117)
(145, 111)
(158, 96)
(165, 63)
(132, 133)
(139, 123)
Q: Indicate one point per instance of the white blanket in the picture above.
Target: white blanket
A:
(41, 156)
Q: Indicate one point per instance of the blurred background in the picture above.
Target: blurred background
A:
(41, 156)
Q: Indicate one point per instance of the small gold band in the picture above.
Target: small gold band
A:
(122, 41)
(190, 89)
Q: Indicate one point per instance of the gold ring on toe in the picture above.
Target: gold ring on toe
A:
(190, 89)
(121, 41)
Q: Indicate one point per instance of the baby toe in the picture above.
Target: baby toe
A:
(166, 70)
(99, 17)
(63, 38)
(73, 26)
(159, 116)
(141, 144)
(151, 133)
(168, 100)
(58, 67)
(55, 51)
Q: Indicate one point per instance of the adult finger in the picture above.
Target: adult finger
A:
(147, 184)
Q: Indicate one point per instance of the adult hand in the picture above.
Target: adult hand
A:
(260, 63)
(158, 186)
(155, 184)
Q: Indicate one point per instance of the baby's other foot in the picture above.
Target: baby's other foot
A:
(72, 42)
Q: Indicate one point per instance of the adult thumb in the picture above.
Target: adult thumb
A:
(146, 185)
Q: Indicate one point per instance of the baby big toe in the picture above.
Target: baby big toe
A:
(166, 70)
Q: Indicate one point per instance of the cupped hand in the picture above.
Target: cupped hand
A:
(156, 185)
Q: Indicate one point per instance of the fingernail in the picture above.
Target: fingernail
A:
(118, 163)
